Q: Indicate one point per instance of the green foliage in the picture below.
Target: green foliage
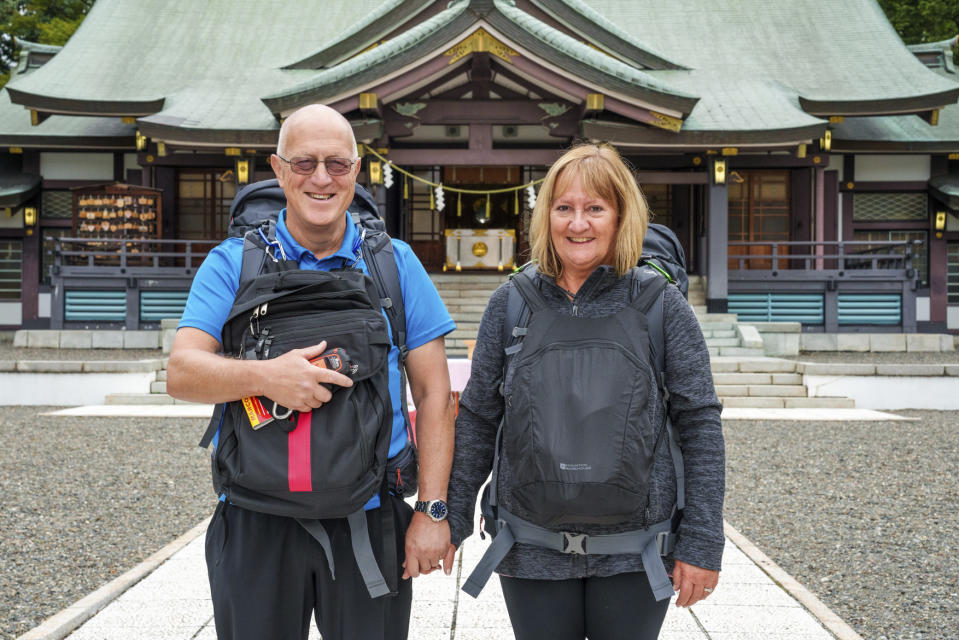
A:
(42, 21)
(919, 21)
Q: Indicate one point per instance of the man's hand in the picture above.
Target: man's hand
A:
(197, 372)
(691, 581)
(291, 381)
(427, 547)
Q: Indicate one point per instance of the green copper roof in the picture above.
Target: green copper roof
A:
(596, 27)
(946, 189)
(363, 33)
(129, 57)
(840, 57)
(17, 188)
(424, 39)
(61, 131)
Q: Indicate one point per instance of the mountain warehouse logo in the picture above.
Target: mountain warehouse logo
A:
(574, 467)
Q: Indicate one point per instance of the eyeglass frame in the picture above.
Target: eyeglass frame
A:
(324, 162)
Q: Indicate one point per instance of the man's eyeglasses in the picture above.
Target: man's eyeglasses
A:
(306, 166)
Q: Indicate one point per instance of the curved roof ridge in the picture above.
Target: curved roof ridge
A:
(26, 45)
(584, 53)
(375, 56)
(625, 44)
(931, 47)
(331, 54)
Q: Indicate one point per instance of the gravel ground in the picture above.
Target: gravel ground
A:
(861, 513)
(8, 352)
(86, 499)
(883, 357)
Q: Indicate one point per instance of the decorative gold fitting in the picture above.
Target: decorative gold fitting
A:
(595, 102)
(367, 101)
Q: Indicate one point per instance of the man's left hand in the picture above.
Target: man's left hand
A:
(427, 547)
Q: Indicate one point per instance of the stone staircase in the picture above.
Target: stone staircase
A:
(767, 383)
(465, 297)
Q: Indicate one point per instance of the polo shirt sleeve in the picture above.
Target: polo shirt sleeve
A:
(426, 315)
(214, 288)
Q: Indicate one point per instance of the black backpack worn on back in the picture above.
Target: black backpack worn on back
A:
(584, 458)
(330, 462)
(663, 252)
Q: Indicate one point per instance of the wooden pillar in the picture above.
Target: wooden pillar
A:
(165, 179)
(717, 224)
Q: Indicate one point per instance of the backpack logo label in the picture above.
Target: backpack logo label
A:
(566, 466)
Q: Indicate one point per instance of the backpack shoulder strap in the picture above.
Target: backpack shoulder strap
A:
(380, 260)
(523, 299)
(648, 294)
(261, 252)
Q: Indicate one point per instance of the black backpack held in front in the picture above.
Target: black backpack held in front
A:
(330, 462)
(582, 454)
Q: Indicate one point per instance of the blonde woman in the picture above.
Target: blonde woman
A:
(572, 420)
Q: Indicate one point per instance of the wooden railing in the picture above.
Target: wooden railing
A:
(106, 267)
(832, 272)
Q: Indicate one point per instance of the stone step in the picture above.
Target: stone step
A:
(716, 326)
(722, 342)
(741, 351)
(761, 390)
(719, 333)
(475, 278)
(158, 387)
(738, 378)
(787, 403)
(161, 376)
(138, 398)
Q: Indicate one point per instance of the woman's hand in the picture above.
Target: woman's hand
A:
(692, 583)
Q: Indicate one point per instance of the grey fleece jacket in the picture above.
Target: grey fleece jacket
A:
(695, 412)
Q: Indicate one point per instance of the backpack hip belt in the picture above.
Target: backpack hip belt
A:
(653, 543)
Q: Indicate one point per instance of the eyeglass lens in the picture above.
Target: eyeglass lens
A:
(334, 166)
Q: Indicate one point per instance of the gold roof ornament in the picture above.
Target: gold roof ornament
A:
(480, 41)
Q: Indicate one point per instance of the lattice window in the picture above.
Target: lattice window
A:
(56, 204)
(11, 269)
(952, 272)
(889, 207)
(920, 252)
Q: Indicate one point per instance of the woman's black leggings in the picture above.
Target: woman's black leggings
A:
(620, 607)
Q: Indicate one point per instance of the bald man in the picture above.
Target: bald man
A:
(268, 575)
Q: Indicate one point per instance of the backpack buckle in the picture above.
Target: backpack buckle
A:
(574, 543)
(665, 542)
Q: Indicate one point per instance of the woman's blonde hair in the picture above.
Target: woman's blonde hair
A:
(604, 175)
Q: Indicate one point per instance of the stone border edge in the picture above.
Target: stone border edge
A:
(833, 623)
(65, 622)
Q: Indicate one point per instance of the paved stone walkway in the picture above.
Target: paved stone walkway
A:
(173, 603)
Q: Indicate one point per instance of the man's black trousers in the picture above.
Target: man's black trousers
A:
(268, 576)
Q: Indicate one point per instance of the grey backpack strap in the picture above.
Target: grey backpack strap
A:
(363, 552)
(650, 298)
(316, 529)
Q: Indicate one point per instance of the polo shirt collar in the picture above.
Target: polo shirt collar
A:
(348, 251)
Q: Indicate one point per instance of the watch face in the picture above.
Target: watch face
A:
(437, 510)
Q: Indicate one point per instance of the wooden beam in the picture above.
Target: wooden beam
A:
(481, 137)
(671, 177)
(459, 157)
(482, 112)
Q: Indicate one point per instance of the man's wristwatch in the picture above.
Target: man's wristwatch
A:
(435, 509)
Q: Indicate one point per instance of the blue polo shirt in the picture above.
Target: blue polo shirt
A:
(218, 278)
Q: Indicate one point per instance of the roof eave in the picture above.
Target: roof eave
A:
(632, 135)
(96, 108)
(880, 107)
(22, 193)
